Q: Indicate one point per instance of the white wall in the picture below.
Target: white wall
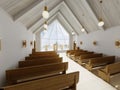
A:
(105, 41)
(12, 34)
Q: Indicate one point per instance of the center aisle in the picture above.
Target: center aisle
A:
(87, 80)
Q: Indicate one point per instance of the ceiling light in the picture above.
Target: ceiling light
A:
(45, 25)
(73, 33)
(45, 13)
(83, 29)
(101, 23)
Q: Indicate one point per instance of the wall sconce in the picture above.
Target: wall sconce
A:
(94, 43)
(24, 43)
(31, 43)
(81, 42)
(117, 43)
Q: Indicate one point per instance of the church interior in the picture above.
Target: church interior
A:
(59, 44)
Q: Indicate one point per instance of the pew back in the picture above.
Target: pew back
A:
(28, 63)
(43, 54)
(29, 73)
(30, 57)
(102, 60)
(44, 58)
(99, 61)
(85, 58)
(59, 82)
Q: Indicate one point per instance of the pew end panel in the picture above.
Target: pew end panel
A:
(104, 75)
(109, 70)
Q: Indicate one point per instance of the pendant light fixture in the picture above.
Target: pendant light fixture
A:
(45, 25)
(101, 22)
(45, 13)
(73, 33)
(83, 29)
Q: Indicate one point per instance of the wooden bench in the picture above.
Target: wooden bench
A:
(85, 58)
(44, 53)
(44, 58)
(38, 57)
(73, 51)
(109, 70)
(58, 82)
(77, 56)
(100, 61)
(74, 54)
(68, 51)
(28, 63)
(30, 73)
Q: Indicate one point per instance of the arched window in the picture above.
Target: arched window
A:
(54, 38)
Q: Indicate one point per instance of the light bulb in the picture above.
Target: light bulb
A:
(45, 26)
(45, 31)
(101, 23)
(82, 29)
(73, 33)
(45, 13)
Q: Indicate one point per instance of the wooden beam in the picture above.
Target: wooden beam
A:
(75, 16)
(89, 9)
(51, 10)
(68, 22)
(41, 26)
(26, 10)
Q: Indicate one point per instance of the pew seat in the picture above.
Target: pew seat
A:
(29, 73)
(99, 61)
(109, 70)
(29, 63)
(59, 82)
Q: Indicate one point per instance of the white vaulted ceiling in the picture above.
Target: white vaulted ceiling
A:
(72, 14)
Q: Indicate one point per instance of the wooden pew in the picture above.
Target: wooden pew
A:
(38, 57)
(73, 51)
(77, 55)
(43, 53)
(44, 58)
(30, 73)
(59, 82)
(100, 61)
(72, 56)
(28, 63)
(85, 58)
(109, 70)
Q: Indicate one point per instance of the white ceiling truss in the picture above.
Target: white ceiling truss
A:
(72, 14)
